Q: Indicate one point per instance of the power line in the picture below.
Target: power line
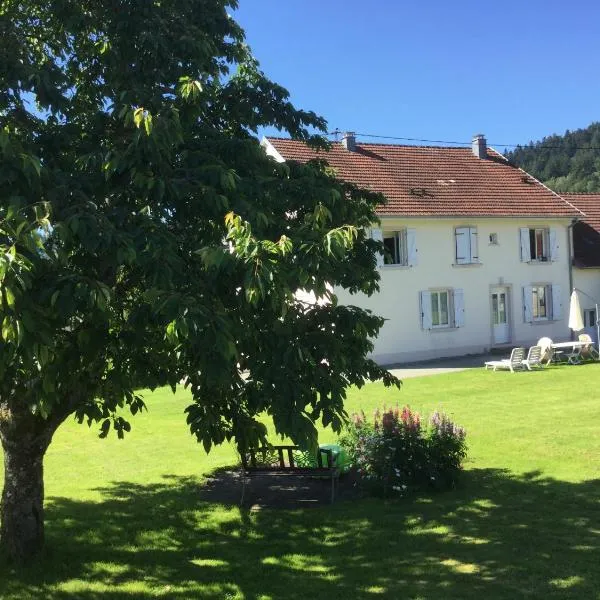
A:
(536, 145)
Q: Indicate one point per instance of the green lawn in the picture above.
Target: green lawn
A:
(124, 518)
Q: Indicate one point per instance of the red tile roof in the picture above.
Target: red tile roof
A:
(589, 204)
(437, 181)
(586, 234)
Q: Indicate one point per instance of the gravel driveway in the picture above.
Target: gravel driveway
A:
(442, 365)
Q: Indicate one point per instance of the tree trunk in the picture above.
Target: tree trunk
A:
(22, 509)
(25, 438)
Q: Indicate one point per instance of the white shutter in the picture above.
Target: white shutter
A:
(557, 312)
(462, 245)
(426, 310)
(377, 235)
(553, 242)
(474, 252)
(525, 245)
(459, 308)
(411, 243)
(528, 304)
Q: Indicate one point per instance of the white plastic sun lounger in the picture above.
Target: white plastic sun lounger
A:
(513, 363)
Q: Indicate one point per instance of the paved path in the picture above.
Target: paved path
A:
(442, 365)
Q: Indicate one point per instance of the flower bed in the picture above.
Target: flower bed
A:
(399, 452)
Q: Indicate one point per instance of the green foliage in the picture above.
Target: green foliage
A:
(566, 163)
(145, 235)
(397, 452)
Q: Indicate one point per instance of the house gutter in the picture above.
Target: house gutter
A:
(570, 252)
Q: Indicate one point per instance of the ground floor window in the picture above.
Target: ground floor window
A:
(539, 302)
(589, 318)
(542, 302)
(442, 308)
(439, 309)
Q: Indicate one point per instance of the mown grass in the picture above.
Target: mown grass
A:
(125, 518)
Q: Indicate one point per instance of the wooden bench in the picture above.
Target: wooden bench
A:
(279, 460)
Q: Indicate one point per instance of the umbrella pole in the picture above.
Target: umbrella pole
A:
(598, 331)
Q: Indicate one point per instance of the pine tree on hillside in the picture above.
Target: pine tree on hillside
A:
(566, 163)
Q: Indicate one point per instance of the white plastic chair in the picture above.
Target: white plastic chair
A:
(513, 363)
(534, 358)
(574, 355)
(589, 350)
(548, 353)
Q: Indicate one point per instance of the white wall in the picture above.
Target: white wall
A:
(588, 281)
(403, 340)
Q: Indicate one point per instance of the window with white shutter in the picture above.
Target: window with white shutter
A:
(444, 308)
(396, 246)
(542, 302)
(466, 245)
(539, 244)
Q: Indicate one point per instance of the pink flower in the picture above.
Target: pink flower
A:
(387, 421)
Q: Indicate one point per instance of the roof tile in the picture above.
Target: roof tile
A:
(436, 181)
(588, 204)
(586, 234)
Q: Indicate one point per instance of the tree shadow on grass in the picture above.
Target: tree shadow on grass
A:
(498, 536)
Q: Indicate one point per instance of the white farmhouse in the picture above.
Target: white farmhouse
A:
(478, 251)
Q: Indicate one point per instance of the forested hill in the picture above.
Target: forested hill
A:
(565, 163)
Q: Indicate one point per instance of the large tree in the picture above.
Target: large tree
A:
(146, 239)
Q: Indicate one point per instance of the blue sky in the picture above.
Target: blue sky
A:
(513, 70)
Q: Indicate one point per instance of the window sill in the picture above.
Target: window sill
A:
(473, 264)
(442, 329)
(540, 262)
(543, 321)
(395, 267)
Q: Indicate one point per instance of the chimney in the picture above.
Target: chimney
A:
(349, 141)
(479, 146)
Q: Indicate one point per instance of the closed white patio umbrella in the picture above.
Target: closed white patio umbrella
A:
(575, 318)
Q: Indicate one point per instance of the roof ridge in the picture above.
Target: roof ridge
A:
(358, 144)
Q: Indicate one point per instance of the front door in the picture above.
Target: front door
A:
(500, 316)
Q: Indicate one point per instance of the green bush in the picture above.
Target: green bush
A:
(400, 453)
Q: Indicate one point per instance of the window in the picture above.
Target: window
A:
(542, 302)
(442, 308)
(589, 317)
(538, 244)
(539, 303)
(400, 247)
(439, 309)
(466, 245)
(493, 239)
(396, 248)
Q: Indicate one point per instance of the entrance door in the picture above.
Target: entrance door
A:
(500, 316)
